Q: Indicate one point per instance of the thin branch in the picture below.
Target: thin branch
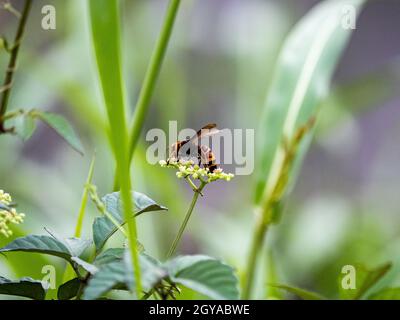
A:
(8, 81)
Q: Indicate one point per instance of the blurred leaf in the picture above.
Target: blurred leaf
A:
(272, 277)
(25, 287)
(365, 280)
(62, 127)
(103, 228)
(25, 126)
(386, 294)
(69, 289)
(302, 77)
(301, 293)
(4, 207)
(205, 275)
(48, 245)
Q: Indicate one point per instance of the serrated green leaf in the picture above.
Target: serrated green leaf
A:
(25, 287)
(25, 126)
(103, 228)
(386, 294)
(119, 275)
(65, 249)
(60, 125)
(301, 293)
(365, 280)
(204, 275)
(302, 78)
(69, 289)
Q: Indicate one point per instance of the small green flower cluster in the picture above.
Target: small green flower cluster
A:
(8, 215)
(189, 169)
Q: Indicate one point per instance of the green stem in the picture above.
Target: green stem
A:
(12, 64)
(82, 209)
(69, 271)
(152, 74)
(185, 221)
(150, 79)
(255, 249)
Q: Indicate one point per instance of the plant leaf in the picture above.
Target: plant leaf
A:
(65, 249)
(109, 255)
(205, 275)
(365, 280)
(25, 287)
(110, 276)
(302, 78)
(69, 289)
(301, 293)
(386, 294)
(103, 228)
(119, 275)
(60, 125)
(92, 269)
(25, 126)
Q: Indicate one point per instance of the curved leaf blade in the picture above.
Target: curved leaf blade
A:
(25, 287)
(301, 293)
(103, 228)
(365, 281)
(205, 275)
(386, 294)
(48, 245)
(302, 78)
(60, 125)
(69, 289)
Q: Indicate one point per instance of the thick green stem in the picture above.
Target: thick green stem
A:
(12, 64)
(150, 79)
(185, 221)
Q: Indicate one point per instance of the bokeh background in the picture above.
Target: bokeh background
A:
(345, 207)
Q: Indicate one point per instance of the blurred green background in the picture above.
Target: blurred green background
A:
(345, 207)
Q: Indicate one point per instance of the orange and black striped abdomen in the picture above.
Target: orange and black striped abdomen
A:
(207, 158)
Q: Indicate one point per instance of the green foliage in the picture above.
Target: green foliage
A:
(300, 83)
(62, 127)
(25, 287)
(103, 228)
(112, 269)
(69, 289)
(365, 280)
(63, 248)
(205, 275)
(386, 294)
(301, 293)
(105, 26)
(25, 126)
